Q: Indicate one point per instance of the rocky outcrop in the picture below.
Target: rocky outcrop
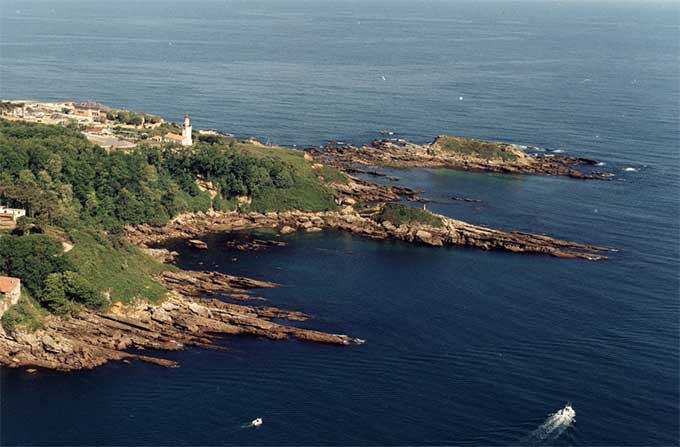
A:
(506, 159)
(195, 243)
(199, 284)
(92, 339)
(466, 199)
(286, 230)
(354, 190)
(255, 244)
(161, 254)
(366, 223)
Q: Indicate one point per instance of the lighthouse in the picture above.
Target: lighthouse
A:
(186, 131)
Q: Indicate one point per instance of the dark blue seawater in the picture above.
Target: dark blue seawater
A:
(463, 346)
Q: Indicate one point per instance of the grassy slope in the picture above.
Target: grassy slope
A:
(399, 214)
(118, 269)
(125, 273)
(486, 150)
(121, 270)
(27, 314)
(309, 193)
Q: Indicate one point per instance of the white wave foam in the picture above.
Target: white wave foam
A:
(553, 427)
(557, 151)
(601, 164)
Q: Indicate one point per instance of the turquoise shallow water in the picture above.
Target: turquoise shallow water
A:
(464, 346)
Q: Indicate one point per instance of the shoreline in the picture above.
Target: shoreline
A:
(451, 233)
(190, 315)
(185, 318)
(445, 151)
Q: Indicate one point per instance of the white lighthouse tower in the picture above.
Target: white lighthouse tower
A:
(186, 131)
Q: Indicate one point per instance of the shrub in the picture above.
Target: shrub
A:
(200, 202)
(478, 148)
(399, 214)
(113, 266)
(221, 204)
(32, 258)
(64, 292)
(25, 314)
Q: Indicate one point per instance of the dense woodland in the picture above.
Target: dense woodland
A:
(70, 185)
(62, 179)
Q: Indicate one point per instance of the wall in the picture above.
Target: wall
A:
(10, 299)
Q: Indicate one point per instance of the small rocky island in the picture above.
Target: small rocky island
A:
(104, 288)
(467, 154)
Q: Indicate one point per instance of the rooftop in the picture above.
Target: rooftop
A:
(7, 283)
(173, 136)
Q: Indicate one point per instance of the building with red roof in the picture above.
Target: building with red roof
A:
(10, 291)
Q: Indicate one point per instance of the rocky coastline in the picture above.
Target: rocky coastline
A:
(470, 155)
(364, 222)
(183, 319)
(194, 314)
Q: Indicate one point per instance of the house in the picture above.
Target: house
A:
(18, 112)
(13, 213)
(10, 288)
(83, 112)
(156, 138)
(91, 110)
(7, 220)
(173, 138)
(10, 291)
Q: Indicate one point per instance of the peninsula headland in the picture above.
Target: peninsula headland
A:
(90, 219)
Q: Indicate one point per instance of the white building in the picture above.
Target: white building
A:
(186, 131)
(14, 212)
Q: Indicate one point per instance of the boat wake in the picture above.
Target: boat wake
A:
(552, 428)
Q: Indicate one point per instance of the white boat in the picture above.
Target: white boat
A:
(256, 422)
(566, 414)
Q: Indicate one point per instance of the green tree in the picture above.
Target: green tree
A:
(31, 258)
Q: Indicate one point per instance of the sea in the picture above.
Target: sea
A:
(463, 346)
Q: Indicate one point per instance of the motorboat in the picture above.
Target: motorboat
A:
(566, 414)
